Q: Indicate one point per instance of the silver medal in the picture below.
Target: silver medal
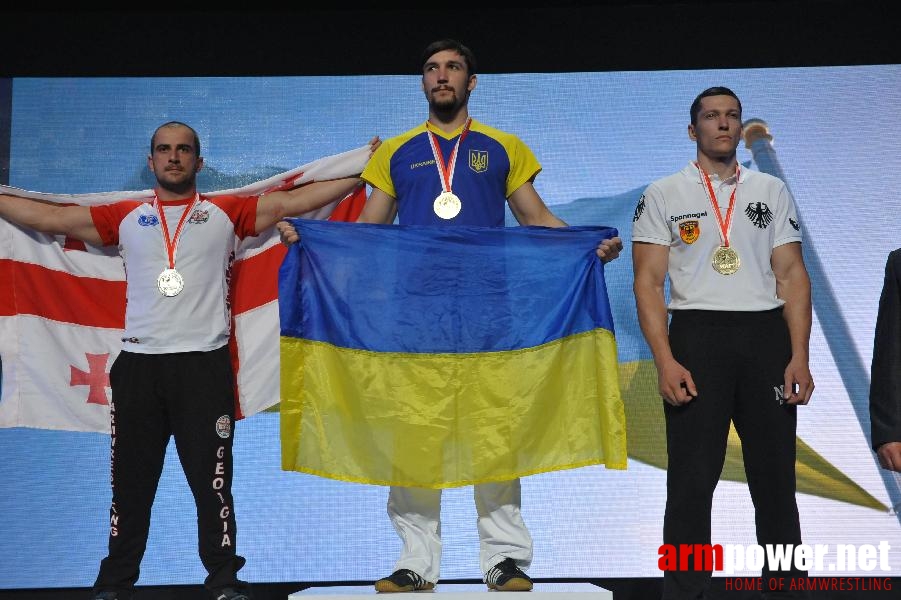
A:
(170, 282)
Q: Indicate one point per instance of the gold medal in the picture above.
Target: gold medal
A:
(725, 260)
(170, 282)
(447, 205)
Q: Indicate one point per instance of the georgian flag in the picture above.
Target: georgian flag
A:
(62, 308)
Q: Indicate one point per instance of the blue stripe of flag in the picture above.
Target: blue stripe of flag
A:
(397, 288)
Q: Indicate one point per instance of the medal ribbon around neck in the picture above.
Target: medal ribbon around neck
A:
(446, 170)
(172, 244)
(725, 225)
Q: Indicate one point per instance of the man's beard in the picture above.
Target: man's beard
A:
(445, 107)
(180, 187)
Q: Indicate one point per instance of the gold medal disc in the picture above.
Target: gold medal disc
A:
(725, 260)
(447, 205)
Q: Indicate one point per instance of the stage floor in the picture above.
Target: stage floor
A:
(461, 591)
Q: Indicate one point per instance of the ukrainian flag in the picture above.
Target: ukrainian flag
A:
(446, 356)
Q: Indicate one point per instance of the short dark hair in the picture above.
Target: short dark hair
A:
(449, 44)
(712, 91)
(176, 124)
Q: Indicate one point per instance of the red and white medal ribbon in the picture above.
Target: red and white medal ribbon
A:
(725, 259)
(170, 281)
(447, 205)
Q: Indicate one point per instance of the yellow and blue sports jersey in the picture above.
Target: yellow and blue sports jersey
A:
(491, 165)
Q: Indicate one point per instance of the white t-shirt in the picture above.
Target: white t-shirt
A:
(199, 317)
(676, 211)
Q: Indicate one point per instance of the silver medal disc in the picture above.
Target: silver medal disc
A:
(170, 282)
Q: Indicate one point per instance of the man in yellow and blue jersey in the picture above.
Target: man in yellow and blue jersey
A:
(455, 171)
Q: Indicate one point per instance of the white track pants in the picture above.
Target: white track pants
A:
(416, 516)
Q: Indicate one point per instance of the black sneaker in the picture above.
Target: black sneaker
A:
(507, 577)
(230, 594)
(113, 595)
(403, 580)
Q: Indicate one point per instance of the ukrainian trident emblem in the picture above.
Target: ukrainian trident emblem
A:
(478, 160)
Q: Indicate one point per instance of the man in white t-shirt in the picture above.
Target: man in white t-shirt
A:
(736, 346)
(174, 375)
